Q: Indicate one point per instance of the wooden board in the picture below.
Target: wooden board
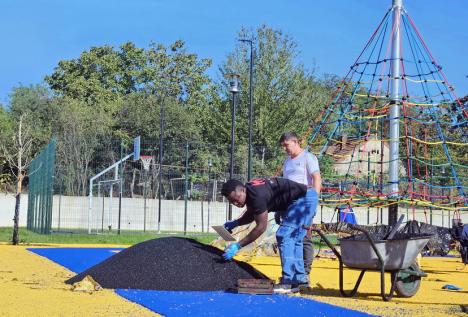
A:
(255, 286)
(223, 233)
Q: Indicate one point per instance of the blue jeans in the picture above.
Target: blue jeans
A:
(290, 236)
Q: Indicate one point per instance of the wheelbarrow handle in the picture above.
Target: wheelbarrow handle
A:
(324, 238)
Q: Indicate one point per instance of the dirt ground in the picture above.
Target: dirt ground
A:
(32, 285)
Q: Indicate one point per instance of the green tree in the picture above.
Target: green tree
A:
(80, 134)
(287, 97)
(131, 84)
(27, 130)
(125, 88)
(6, 128)
(139, 114)
(18, 151)
(34, 103)
(104, 74)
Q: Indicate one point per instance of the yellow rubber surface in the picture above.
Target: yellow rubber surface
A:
(31, 285)
(430, 300)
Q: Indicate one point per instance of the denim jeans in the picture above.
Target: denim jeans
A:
(290, 236)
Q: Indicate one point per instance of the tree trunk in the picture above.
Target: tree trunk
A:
(15, 238)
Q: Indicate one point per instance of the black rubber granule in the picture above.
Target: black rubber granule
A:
(175, 264)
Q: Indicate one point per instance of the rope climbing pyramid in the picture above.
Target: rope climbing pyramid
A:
(395, 129)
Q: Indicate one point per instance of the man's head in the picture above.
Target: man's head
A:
(235, 192)
(290, 143)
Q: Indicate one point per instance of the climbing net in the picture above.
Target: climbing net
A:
(354, 128)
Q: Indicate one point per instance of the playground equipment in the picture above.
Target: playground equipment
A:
(116, 180)
(396, 126)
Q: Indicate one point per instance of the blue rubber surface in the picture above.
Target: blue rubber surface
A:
(175, 304)
(76, 259)
(180, 304)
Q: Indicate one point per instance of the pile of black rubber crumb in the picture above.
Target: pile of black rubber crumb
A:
(169, 264)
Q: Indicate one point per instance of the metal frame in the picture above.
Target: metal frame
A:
(135, 154)
(394, 273)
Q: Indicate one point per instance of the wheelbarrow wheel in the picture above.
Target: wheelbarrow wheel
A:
(407, 285)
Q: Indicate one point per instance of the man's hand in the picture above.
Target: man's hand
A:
(230, 225)
(230, 251)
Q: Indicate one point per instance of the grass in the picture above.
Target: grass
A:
(125, 238)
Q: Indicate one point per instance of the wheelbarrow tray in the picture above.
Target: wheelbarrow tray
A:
(397, 254)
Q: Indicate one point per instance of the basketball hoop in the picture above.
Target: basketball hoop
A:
(146, 161)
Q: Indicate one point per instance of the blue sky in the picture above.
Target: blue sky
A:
(37, 34)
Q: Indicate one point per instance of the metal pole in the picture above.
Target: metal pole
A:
(145, 194)
(90, 207)
(202, 220)
(103, 207)
(251, 65)
(368, 184)
(186, 187)
(209, 196)
(394, 113)
(233, 129)
(109, 213)
(120, 190)
(161, 133)
(430, 189)
(60, 204)
(249, 172)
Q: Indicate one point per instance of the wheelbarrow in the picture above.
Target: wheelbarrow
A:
(395, 255)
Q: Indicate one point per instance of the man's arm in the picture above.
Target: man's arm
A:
(317, 181)
(246, 218)
(261, 221)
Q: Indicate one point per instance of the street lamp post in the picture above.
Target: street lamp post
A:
(234, 89)
(249, 161)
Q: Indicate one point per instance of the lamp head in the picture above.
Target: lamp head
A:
(233, 82)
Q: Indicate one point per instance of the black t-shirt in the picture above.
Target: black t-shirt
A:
(272, 194)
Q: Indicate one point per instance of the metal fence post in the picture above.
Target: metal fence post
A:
(186, 187)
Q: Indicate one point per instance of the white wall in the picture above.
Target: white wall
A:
(70, 212)
(7, 209)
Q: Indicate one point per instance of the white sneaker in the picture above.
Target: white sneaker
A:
(285, 289)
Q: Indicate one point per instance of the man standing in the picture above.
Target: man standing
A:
(274, 194)
(302, 167)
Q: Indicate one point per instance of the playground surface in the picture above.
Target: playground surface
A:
(34, 285)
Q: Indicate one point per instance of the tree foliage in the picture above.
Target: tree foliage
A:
(287, 97)
(104, 74)
(109, 95)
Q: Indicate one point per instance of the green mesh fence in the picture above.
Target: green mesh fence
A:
(41, 179)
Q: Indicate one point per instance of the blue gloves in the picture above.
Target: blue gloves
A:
(452, 287)
(230, 225)
(231, 250)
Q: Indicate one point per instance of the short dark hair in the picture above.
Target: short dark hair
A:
(230, 186)
(288, 136)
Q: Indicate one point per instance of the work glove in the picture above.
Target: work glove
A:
(231, 250)
(230, 225)
(278, 217)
